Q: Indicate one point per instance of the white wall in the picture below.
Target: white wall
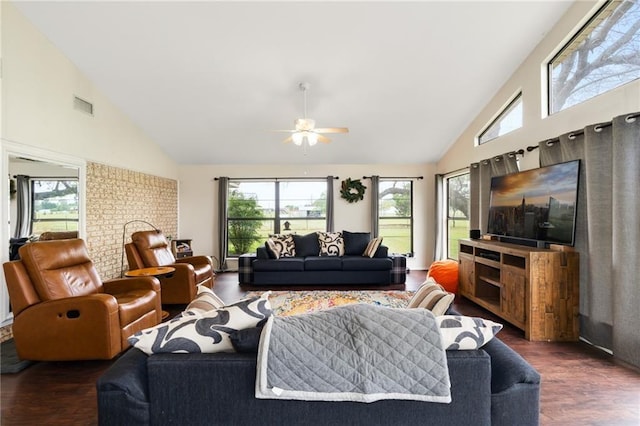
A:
(536, 127)
(199, 192)
(39, 85)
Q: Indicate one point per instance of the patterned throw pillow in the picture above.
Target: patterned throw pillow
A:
(372, 247)
(205, 300)
(466, 333)
(433, 297)
(282, 245)
(206, 332)
(331, 243)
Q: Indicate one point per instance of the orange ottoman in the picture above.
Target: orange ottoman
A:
(445, 272)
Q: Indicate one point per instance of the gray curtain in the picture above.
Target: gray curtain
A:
(607, 230)
(441, 196)
(330, 220)
(223, 191)
(480, 175)
(375, 190)
(23, 207)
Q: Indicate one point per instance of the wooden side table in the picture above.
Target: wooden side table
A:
(155, 271)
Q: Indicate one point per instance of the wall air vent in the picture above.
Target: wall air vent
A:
(82, 105)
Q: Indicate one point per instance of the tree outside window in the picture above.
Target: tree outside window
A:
(603, 55)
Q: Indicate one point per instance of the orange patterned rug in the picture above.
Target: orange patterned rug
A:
(285, 303)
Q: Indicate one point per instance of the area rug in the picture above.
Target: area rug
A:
(10, 363)
(285, 303)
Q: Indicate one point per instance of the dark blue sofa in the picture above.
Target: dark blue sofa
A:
(307, 267)
(489, 386)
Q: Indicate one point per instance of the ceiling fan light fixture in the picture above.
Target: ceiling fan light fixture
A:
(312, 138)
(297, 138)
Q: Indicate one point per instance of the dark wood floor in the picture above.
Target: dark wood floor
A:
(580, 385)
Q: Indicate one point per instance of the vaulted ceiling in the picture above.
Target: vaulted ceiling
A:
(208, 81)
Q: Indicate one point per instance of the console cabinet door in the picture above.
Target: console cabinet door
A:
(466, 275)
(513, 295)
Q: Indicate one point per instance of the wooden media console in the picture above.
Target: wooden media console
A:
(535, 289)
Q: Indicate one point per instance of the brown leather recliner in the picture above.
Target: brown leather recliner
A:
(150, 248)
(63, 311)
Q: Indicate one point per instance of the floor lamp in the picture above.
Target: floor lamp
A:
(124, 233)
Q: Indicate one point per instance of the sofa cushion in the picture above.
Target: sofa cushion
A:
(331, 243)
(466, 333)
(432, 296)
(283, 264)
(307, 245)
(359, 263)
(372, 247)
(323, 263)
(355, 243)
(205, 300)
(282, 245)
(203, 333)
(247, 340)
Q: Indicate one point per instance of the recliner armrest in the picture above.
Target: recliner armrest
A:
(118, 285)
(196, 260)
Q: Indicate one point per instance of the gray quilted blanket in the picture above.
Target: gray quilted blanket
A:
(358, 352)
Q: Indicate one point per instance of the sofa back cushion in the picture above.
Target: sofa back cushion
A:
(331, 243)
(355, 243)
(60, 268)
(307, 245)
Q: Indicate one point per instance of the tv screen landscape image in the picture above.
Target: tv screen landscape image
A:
(536, 205)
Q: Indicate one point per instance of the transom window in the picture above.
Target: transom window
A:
(509, 119)
(55, 205)
(395, 215)
(258, 209)
(604, 54)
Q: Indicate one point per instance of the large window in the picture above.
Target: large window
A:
(457, 211)
(55, 205)
(395, 210)
(508, 120)
(257, 209)
(603, 55)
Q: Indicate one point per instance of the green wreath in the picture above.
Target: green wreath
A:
(352, 190)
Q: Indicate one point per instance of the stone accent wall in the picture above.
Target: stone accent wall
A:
(116, 196)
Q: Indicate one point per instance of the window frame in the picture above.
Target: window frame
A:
(32, 189)
(410, 218)
(588, 21)
(502, 113)
(444, 214)
(276, 219)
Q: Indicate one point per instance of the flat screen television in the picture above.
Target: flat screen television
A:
(535, 207)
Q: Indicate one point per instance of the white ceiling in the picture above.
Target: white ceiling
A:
(208, 80)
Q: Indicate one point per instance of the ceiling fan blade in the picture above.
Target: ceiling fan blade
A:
(285, 131)
(323, 139)
(332, 130)
(287, 140)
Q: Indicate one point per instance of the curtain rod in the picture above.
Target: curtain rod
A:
(396, 177)
(281, 178)
(49, 177)
(575, 133)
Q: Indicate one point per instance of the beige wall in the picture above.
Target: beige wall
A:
(537, 127)
(116, 196)
(199, 191)
(38, 87)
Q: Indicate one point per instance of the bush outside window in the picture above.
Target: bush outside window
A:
(457, 211)
(258, 209)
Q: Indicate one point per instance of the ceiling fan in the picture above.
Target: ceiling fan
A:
(305, 128)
